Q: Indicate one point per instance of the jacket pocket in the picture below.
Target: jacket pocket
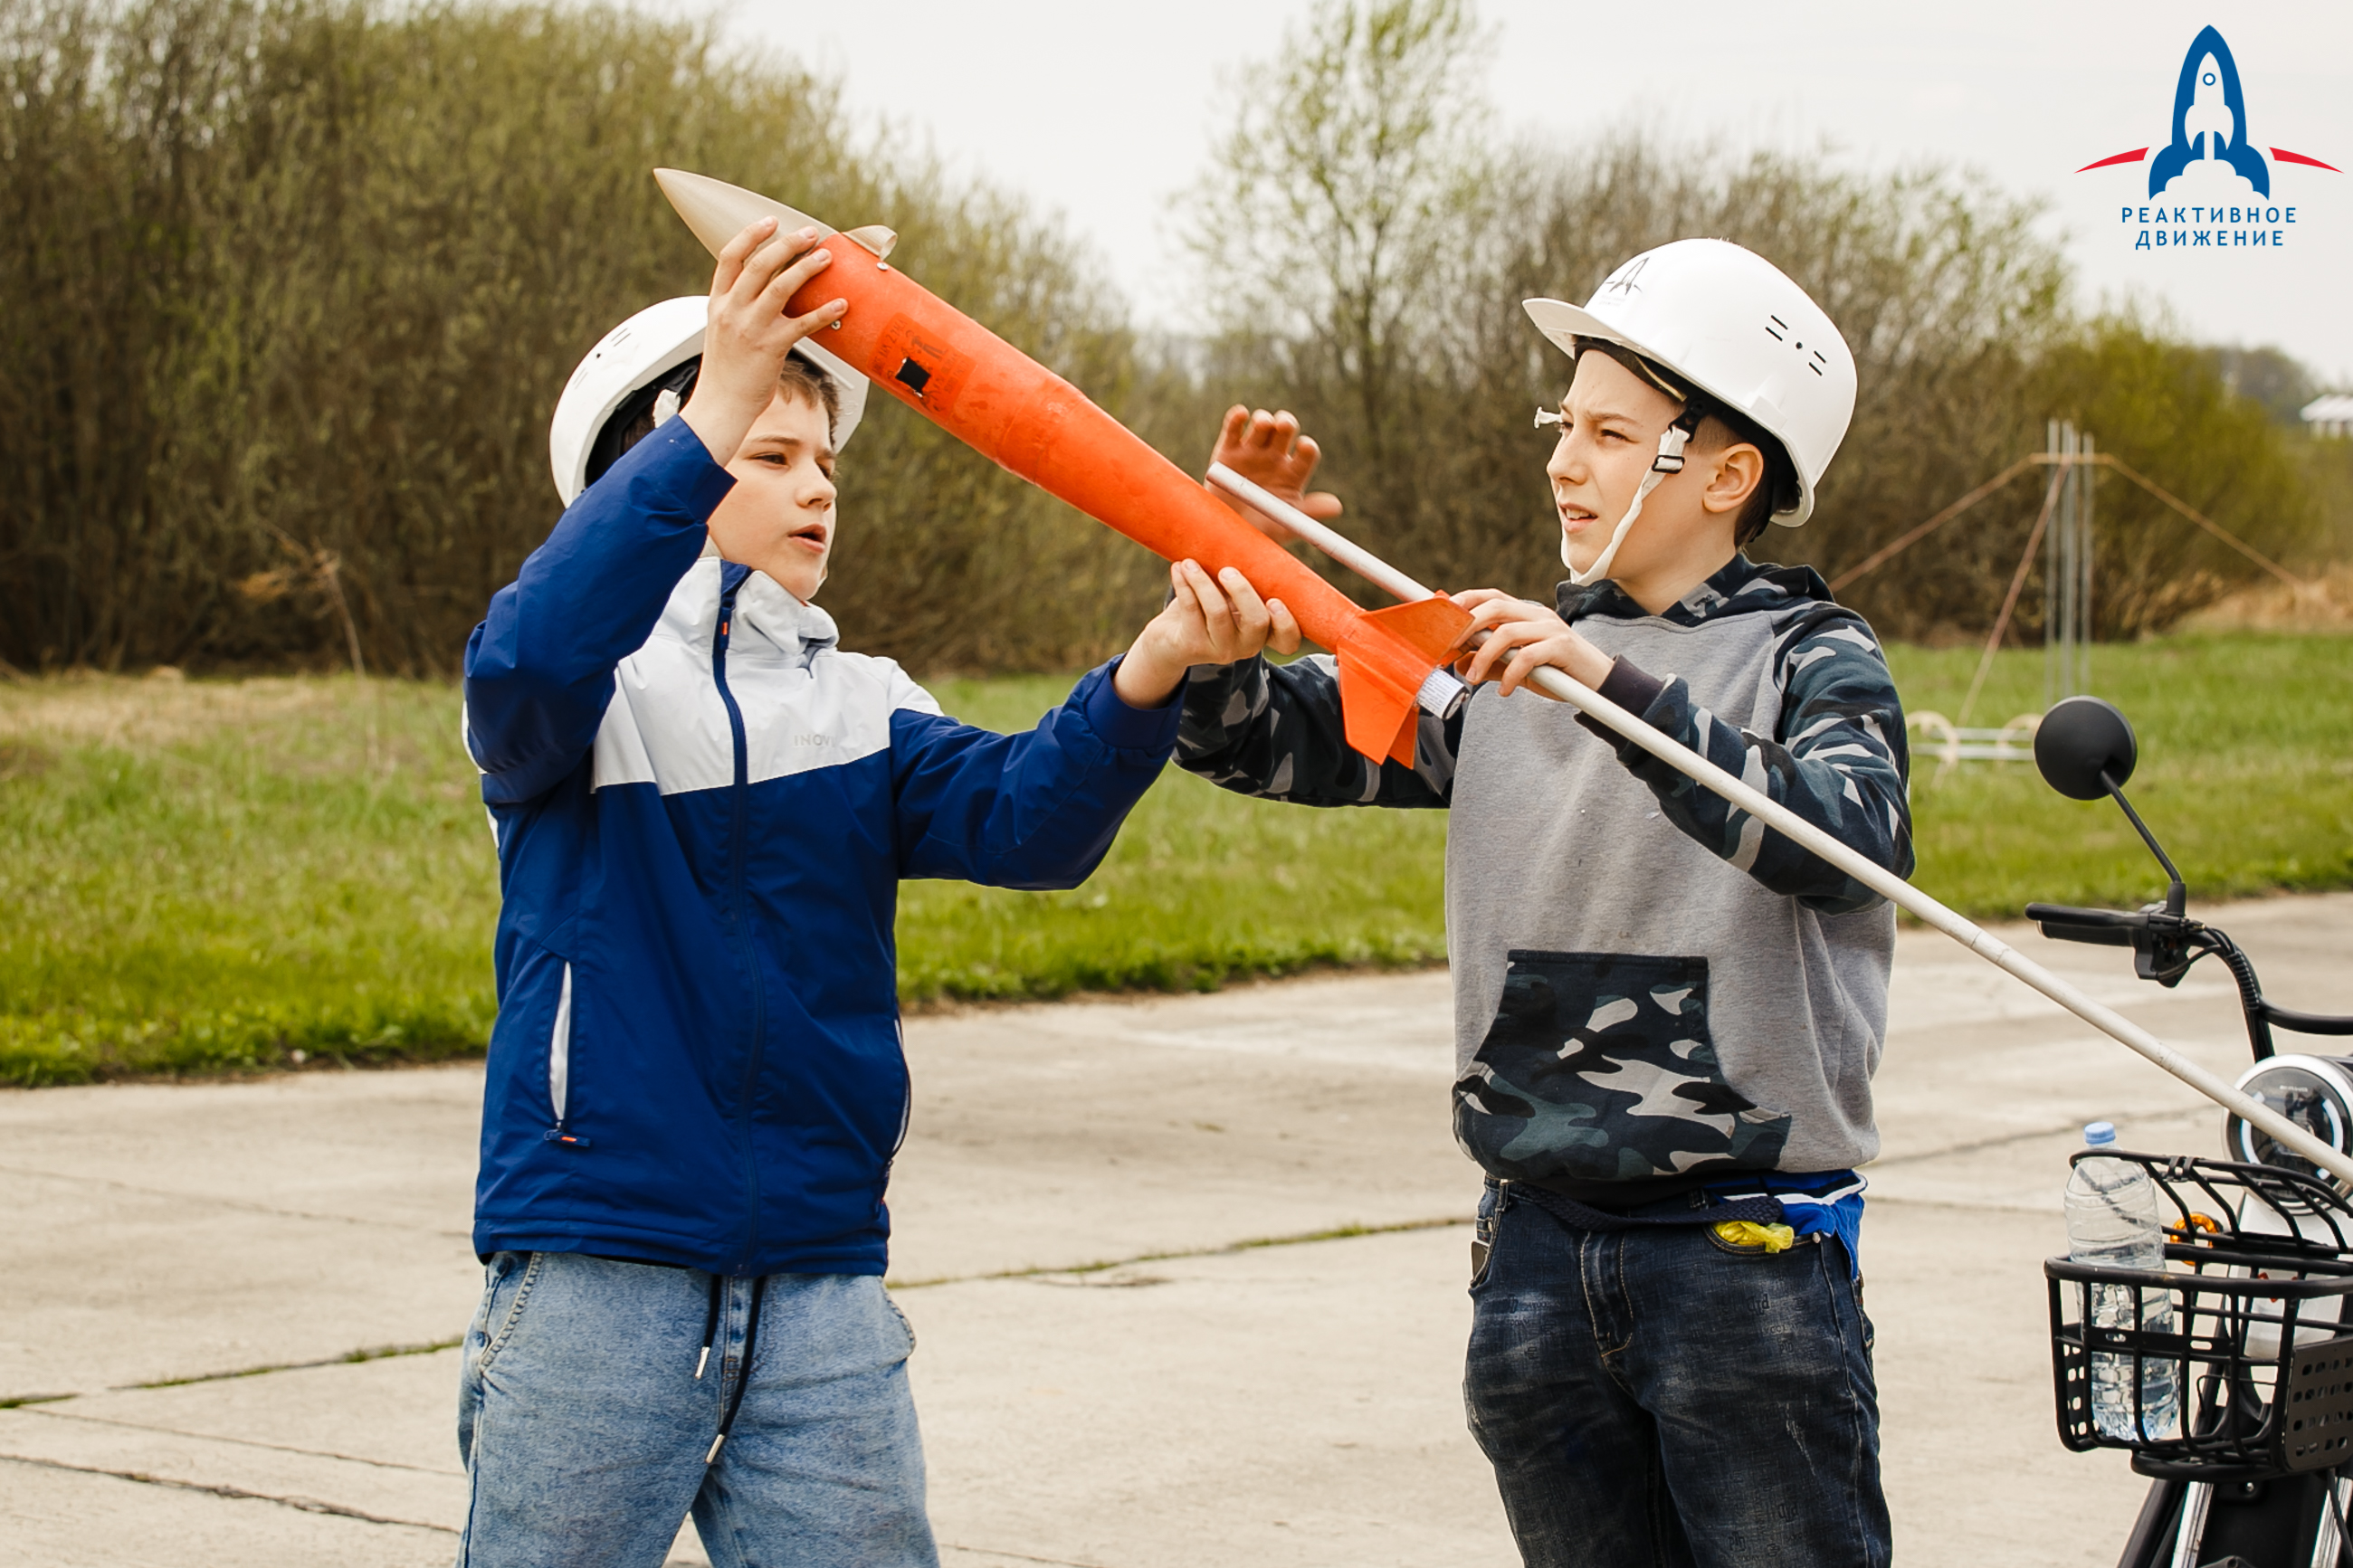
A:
(559, 1068)
(559, 1049)
(1599, 1066)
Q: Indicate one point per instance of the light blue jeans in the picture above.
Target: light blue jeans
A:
(586, 1434)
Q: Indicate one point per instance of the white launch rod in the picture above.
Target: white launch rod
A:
(1781, 820)
(1289, 520)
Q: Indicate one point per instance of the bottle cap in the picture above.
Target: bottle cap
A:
(2099, 1134)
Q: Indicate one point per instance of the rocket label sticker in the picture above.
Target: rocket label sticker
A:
(920, 369)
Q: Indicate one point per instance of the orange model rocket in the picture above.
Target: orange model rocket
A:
(994, 398)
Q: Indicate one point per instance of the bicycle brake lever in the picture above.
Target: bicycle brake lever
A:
(2165, 947)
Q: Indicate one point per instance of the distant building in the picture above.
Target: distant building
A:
(2330, 415)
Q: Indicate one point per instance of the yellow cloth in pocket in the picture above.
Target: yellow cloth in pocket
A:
(1748, 1233)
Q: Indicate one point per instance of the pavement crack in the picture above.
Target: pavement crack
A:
(243, 1205)
(304, 1504)
(366, 1353)
(244, 1442)
(1018, 1556)
(1961, 1206)
(2005, 1139)
(1227, 1249)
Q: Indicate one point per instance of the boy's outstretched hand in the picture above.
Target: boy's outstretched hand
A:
(745, 346)
(1208, 621)
(1522, 636)
(1268, 450)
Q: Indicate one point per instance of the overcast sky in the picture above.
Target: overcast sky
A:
(1105, 111)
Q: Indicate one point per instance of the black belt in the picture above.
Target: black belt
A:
(1585, 1216)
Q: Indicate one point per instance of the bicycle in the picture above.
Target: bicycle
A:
(2257, 1470)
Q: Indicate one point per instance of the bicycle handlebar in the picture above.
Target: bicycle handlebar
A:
(2102, 928)
(2166, 945)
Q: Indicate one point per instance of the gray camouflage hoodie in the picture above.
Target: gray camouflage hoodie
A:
(1651, 989)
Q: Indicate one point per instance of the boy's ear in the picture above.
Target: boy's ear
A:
(1739, 469)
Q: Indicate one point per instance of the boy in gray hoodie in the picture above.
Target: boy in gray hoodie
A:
(1666, 1016)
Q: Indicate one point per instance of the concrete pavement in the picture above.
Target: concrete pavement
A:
(1198, 1402)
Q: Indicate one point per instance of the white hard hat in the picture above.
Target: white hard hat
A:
(1733, 325)
(633, 356)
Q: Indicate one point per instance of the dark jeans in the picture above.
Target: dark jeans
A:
(1649, 1397)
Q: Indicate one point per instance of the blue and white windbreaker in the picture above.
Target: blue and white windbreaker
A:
(704, 811)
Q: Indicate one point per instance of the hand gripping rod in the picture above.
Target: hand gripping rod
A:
(1782, 820)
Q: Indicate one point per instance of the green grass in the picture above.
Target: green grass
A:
(202, 877)
(2246, 776)
(207, 877)
(1202, 886)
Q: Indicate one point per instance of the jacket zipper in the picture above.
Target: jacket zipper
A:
(740, 918)
(559, 1070)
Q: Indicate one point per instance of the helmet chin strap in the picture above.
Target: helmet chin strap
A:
(1669, 460)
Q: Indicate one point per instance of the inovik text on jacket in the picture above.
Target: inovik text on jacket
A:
(703, 810)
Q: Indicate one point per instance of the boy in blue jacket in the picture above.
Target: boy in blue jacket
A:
(695, 1088)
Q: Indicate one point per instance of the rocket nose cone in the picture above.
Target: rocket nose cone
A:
(717, 211)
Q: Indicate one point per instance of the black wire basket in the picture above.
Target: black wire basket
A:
(2246, 1314)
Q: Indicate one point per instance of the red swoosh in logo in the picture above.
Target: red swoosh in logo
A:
(2282, 153)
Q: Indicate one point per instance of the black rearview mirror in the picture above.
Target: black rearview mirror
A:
(2078, 741)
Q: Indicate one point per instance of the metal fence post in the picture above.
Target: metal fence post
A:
(2053, 681)
(2091, 480)
(2067, 566)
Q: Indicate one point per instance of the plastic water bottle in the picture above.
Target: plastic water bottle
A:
(2112, 1221)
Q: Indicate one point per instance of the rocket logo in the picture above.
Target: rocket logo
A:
(1626, 279)
(2210, 119)
(2209, 123)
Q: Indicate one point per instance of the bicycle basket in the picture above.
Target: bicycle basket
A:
(2250, 1316)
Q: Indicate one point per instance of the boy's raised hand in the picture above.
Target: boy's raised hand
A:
(1521, 636)
(1268, 450)
(1207, 621)
(745, 346)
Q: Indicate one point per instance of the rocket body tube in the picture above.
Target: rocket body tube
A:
(987, 392)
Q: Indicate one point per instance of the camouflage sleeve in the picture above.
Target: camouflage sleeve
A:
(1273, 730)
(1839, 760)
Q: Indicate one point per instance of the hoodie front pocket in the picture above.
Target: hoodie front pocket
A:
(1599, 1067)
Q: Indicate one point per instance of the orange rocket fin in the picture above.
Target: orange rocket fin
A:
(1383, 662)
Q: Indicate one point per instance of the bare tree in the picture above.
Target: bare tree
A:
(1342, 212)
(1366, 241)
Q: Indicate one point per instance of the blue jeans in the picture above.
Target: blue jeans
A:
(585, 1432)
(1650, 1397)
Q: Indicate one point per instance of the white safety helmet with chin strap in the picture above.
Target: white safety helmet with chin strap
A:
(657, 351)
(1721, 321)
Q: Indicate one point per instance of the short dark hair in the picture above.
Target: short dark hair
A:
(1777, 491)
(633, 421)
